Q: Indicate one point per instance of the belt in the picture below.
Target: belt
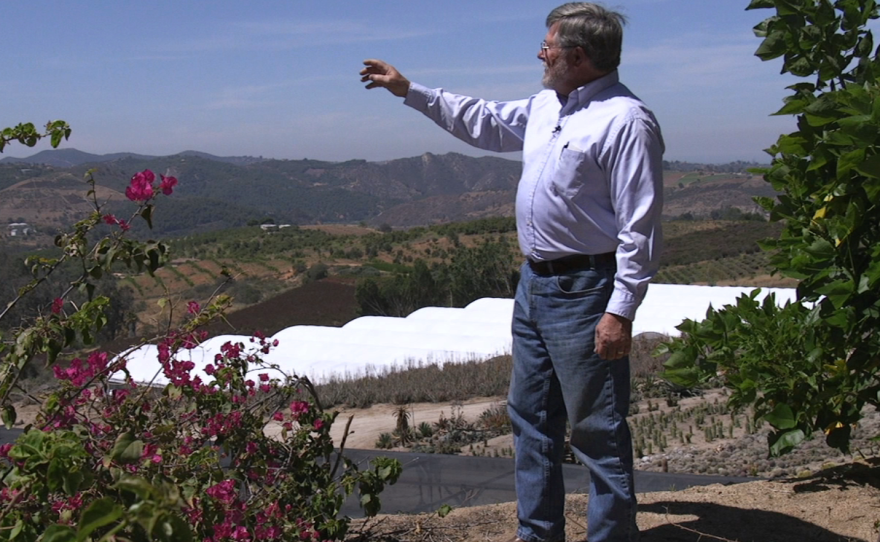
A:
(575, 262)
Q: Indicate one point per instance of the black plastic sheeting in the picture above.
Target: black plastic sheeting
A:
(429, 481)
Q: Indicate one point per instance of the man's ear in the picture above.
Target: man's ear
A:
(580, 56)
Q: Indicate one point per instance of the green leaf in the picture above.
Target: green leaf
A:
(687, 377)
(126, 449)
(71, 481)
(870, 167)
(100, 513)
(772, 47)
(680, 359)
(848, 161)
(820, 248)
(783, 442)
(793, 106)
(59, 533)
(760, 4)
(55, 474)
(9, 416)
(788, 7)
(838, 292)
(781, 417)
(147, 214)
(16, 529)
(444, 510)
(137, 485)
(172, 529)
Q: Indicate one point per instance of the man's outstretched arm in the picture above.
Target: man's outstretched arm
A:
(381, 74)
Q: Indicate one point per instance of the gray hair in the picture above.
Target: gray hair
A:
(593, 28)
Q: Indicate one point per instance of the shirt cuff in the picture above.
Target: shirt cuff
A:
(418, 97)
(622, 303)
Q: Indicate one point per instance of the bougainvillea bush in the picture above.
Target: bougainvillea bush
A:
(114, 459)
(190, 460)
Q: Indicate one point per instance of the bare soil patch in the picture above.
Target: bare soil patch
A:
(328, 302)
(835, 506)
(809, 499)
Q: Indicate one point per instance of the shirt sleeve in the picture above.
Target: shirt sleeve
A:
(492, 126)
(635, 162)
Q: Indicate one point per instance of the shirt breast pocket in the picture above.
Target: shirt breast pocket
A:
(574, 169)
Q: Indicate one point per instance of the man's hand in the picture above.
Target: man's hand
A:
(613, 336)
(382, 74)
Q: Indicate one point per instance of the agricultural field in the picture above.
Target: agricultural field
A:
(459, 409)
(254, 266)
(700, 176)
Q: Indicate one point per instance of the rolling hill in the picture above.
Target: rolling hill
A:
(217, 192)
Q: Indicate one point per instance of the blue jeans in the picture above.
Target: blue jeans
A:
(558, 375)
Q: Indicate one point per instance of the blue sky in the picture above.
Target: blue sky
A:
(280, 78)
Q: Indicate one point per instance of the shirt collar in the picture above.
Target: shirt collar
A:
(582, 95)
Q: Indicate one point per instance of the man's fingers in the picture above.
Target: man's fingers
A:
(381, 74)
(375, 73)
(374, 66)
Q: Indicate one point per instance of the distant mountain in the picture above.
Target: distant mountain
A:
(65, 158)
(216, 192)
(220, 192)
(237, 160)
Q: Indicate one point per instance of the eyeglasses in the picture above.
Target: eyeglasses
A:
(545, 47)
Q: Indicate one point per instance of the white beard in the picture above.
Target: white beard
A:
(553, 75)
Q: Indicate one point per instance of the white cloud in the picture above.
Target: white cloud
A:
(242, 97)
(284, 35)
(697, 61)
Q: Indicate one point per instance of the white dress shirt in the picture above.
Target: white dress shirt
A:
(592, 179)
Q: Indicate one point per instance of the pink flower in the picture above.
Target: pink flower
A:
(209, 369)
(298, 407)
(319, 423)
(190, 342)
(278, 417)
(4, 450)
(110, 219)
(167, 185)
(192, 307)
(141, 187)
(264, 377)
(241, 533)
(124, 226)
(57, 304)
(223, 492)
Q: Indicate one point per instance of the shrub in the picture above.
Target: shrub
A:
(115, 459)
(811, 366)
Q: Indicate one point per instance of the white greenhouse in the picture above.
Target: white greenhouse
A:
(432, 335)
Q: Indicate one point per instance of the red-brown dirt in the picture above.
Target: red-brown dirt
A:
(328, 302)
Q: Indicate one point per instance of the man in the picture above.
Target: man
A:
(588, 220)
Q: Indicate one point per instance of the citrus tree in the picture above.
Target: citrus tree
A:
(811, 366)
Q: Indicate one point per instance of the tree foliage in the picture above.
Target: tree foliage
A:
(486, 270)
(813, 366)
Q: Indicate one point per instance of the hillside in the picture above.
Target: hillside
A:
(221, 192)
(270, 269)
